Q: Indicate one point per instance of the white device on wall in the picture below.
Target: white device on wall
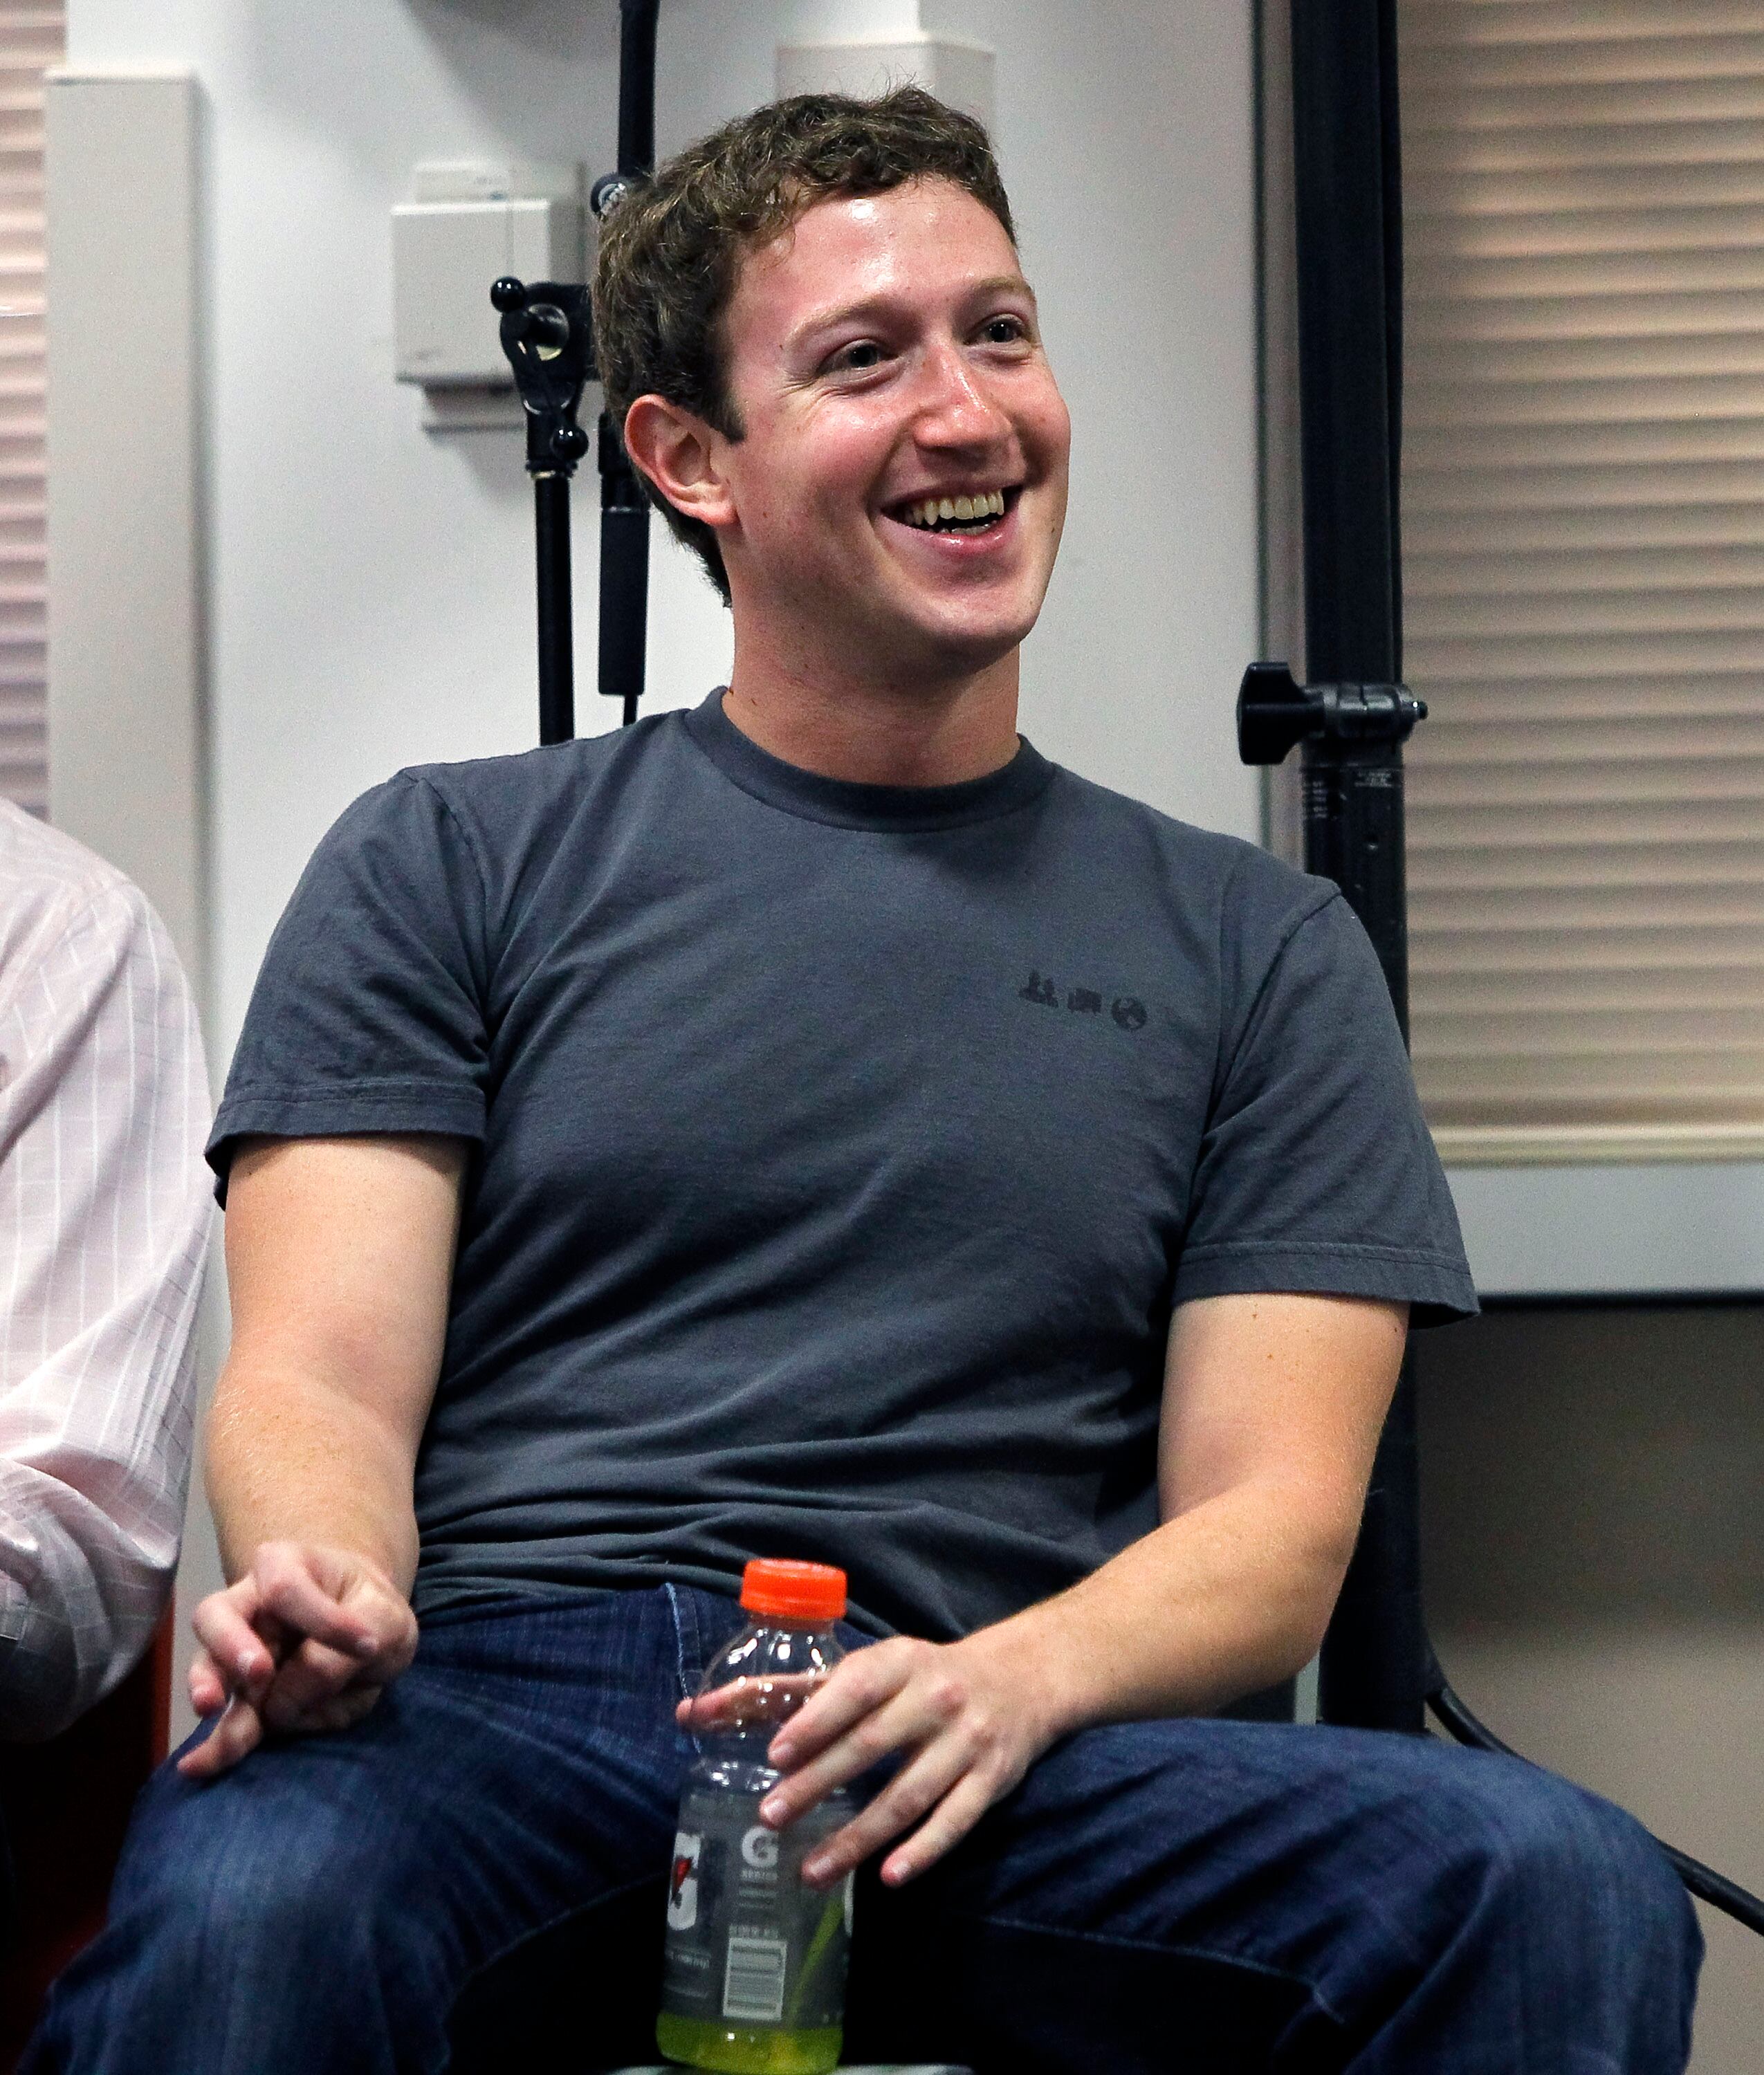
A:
(467, 222)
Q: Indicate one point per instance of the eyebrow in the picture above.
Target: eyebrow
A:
(839, 313)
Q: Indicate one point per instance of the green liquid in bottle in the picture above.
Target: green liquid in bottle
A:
(703, 2043)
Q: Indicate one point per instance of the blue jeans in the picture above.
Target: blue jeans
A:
(473, 1878)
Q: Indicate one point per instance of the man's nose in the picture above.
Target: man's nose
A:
(955, 409)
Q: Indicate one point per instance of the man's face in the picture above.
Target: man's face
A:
(885, 360)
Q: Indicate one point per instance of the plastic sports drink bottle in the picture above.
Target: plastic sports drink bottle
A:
(754, 1976)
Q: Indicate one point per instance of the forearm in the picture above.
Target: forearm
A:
(1227, 1596)
(291, 1458)
(1272, 1410)
(1227, 1599)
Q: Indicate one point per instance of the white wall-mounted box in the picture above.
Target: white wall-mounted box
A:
(469, 224)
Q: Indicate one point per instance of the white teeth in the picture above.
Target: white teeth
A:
(930, 511)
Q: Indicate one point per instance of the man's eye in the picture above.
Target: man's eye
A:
(1003, 330)
(863, 353)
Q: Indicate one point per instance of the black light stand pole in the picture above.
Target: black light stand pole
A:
(624, 510)
(1355, 717)
(1349, 245)
(1377, 1662)
(545, 334)
(556, 639)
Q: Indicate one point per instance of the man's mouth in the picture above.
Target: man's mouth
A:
(968, 513)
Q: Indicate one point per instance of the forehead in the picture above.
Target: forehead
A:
(922, 240)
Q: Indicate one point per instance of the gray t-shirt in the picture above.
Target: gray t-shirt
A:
(838, 1150)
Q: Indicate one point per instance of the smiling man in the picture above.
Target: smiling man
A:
(816, 1125)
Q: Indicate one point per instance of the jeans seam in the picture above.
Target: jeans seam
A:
(679, 1638)
(1172, 1951)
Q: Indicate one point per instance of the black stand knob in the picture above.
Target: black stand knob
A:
(1351, 737)
(1275, 713)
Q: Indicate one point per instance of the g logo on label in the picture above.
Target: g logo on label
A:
(759, 1847)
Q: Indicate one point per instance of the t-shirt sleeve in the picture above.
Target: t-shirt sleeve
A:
(1317, 1172)
(368, 1014)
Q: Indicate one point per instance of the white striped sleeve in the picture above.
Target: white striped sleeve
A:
(104, 1218)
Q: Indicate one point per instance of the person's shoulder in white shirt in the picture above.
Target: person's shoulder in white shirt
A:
(104, 1217)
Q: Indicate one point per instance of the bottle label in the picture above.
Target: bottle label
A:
(749, 1944)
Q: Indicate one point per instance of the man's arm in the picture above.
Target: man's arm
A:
(1273, 1406)
(339, 1256)
(105, 1219)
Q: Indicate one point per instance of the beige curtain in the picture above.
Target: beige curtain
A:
(1583, 500)
(31, 38)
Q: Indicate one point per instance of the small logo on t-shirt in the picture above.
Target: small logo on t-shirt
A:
(1127, 1009)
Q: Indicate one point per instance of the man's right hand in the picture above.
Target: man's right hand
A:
(305, 1640)
(339, 1260)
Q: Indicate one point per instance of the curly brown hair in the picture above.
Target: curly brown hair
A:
(671, 247)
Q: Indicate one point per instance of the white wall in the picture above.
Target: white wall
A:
(368, 586)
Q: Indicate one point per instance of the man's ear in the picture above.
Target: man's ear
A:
(678, 452)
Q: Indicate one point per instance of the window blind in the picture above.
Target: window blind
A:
(1583, 533)
(31, 38)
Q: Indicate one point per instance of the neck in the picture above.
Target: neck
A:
(874, 731)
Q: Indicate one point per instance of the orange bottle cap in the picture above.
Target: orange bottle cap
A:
(801, 1592)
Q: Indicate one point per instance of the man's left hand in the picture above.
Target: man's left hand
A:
(964, 1712)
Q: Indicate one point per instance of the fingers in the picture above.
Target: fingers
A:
(956, 1815)
(303, 1687)
(948, 1706)
(304, 1641)
(915, 1791)
(240, 1657)
(293, 1585)
(289, 1709)
(208, 1688)
(345, 1709)
(859, 1686)
(239, 1732)
(749, 1700)
(922, 1708)
(324, 1712)
(953, 1780)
